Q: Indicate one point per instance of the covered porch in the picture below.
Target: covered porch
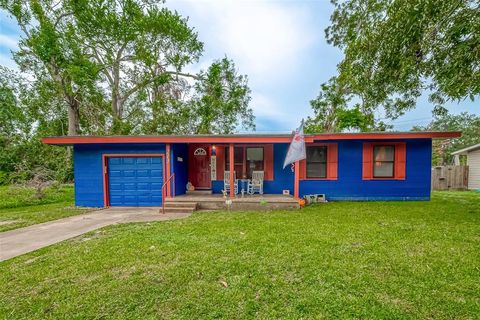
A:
(206, 167)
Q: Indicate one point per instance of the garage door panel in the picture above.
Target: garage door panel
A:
(115, 174)
(129, 173)
(135, 181)
(143, 173)
(129, 187)
(116, 186)
(141, 186)
(156, 173)
(157, 198)
(113, 161)
(156, 186)
(144, 198)
(143, 161)
(128, 160)
(115, 200)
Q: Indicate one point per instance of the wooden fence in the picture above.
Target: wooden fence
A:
(450, 178)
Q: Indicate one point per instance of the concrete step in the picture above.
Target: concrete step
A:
(175, 209)
(177, 204)
(199, 192)
(181, 210)
(177, 213)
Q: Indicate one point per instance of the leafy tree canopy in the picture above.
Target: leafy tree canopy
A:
(396, 49)
(119, 67)
(335, 110)
(108, 67)
(466, 122)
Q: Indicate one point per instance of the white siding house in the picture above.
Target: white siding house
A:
(473, 162)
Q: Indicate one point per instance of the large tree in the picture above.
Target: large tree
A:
(50, 50)
(335, 110)
(394, 50)
(29, 110)
(467, 123)
(221, 100)
(135, 44)
(119, 64)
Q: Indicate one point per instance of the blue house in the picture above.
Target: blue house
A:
(147, 170)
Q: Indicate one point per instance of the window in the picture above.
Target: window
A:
(383, 161)
(254, 160)
(246, 160)
(316, 162)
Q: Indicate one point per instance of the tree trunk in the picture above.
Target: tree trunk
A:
(73, 118)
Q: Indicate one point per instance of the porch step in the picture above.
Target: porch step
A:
(199, 192)
(179, 206)
(217, 202)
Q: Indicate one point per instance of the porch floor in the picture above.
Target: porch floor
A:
(256, 201)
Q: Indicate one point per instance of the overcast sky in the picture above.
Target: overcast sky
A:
(280, 45)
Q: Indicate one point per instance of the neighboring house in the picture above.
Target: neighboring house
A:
(131, 170)
(473, 163)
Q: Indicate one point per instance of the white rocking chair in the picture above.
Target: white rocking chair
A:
(256, 183)
(226, 182)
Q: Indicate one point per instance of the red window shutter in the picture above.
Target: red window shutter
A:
(400, 160)
(220, 162)
(332, 161)
(367, 171)
(303, 169)
(268, 161)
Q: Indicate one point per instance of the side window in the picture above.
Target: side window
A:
(383, 161)
(254, 160)
(246, 160)
(316, 161)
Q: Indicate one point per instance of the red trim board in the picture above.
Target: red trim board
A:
(68, 140)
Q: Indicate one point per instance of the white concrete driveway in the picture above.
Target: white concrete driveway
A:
(19, 241)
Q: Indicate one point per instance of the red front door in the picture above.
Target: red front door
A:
(199, 166)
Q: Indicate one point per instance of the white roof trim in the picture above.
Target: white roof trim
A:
(466, 150)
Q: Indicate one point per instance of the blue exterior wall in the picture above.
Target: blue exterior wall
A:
(349, 185)
(179, 166)
(88, 168)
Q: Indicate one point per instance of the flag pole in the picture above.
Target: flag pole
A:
(296, 152)
(296, 185)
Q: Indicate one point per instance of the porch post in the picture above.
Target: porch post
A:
(167, 168)
(296, 184)
(232, 169)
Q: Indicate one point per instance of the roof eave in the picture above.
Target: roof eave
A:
(285, 138)
(464, 151)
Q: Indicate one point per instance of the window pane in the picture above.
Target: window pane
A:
(384, 153)
(316, 170)
(383, 169)
(317, 154)
(255, 154)
(254, 160)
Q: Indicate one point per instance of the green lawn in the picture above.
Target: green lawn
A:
(19, 207)
(336, 260)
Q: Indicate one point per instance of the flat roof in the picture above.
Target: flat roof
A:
(467, 149)
(248, 138)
